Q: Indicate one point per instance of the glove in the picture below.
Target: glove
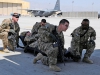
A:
(54, 38)
(12, 31)
(91, 42)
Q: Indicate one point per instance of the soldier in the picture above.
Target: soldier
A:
(33, 35)
(47, 46)
(83, 38)
(9, 26)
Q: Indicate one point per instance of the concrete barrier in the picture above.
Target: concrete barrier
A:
(84, 14)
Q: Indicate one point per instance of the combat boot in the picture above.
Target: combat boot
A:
(52, 64)
(54, 68)
(6, 50)
(87, 60)
(38, 57)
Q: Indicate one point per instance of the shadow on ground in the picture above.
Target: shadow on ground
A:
(20, 63)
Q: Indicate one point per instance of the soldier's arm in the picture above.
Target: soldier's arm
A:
(4, 25)
(0, 28)
(18, 29)
(17, 32)
(74, 32)
(62, 39)
(93, 35)
(35, 28)
(5, 30)
(76, 35)
(43, 31)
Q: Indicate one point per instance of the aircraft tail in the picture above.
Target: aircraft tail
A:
(57, 6)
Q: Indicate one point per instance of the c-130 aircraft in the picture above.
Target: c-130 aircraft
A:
(46, 13)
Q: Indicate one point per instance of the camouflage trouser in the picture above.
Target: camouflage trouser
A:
(77, 49)
(45, 60)
(4, 37)
(90, 49)
(50, 51)
(11, 45)
(12, 42)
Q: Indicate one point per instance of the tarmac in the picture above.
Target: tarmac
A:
(20, 63)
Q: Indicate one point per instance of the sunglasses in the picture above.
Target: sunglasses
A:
(16, 16)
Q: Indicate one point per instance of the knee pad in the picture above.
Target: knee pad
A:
(45, 60)
(52, 61)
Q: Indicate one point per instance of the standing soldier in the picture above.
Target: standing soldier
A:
(8, 27)
(83, 38)
(46, 44)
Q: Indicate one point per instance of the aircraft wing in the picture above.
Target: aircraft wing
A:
(29, 10)
(35, 10)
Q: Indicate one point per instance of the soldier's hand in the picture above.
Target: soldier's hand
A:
(5, 30)
(12, 31)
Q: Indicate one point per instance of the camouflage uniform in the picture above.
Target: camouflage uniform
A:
(6, 24)
(79, 43)
(45, 43)
(4, 35)
(35, 35)
(34, 31)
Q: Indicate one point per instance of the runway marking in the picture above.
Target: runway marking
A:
(2, 52)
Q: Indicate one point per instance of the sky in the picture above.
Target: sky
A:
(67, 5)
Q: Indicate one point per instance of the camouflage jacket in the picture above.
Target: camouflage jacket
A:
(35, 28)
(45, 31)
(6, 24)
(34, 31)
(90, 35)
